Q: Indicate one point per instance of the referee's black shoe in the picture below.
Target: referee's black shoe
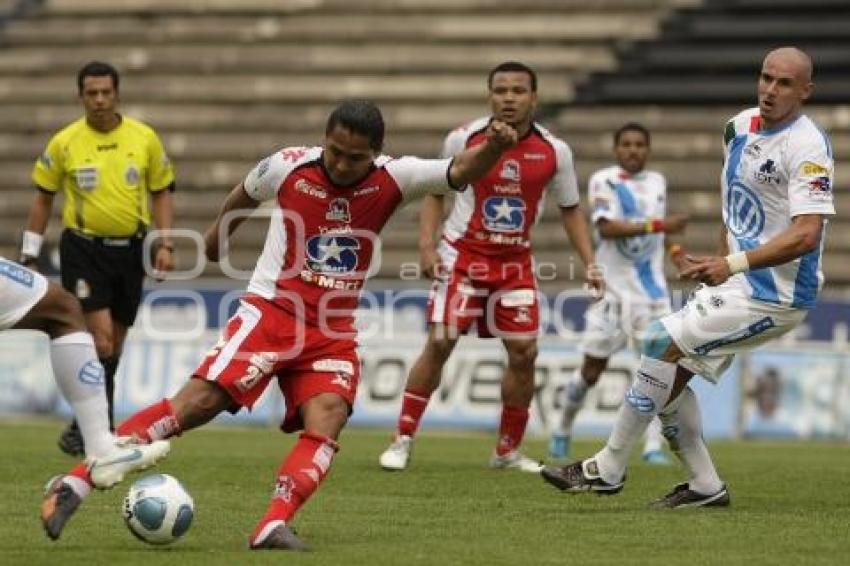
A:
(71, 441)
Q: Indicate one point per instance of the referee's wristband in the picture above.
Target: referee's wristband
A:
(31, 244)
(738, 262)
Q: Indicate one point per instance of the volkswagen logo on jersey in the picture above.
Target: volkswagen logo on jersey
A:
(637, 247)
(338, 210)
(504, 214)
(744, 212)
(332, 254)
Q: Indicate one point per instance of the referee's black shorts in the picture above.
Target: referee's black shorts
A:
(103, 273)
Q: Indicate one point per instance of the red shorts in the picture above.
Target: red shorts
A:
(262, 341)
(499, 294)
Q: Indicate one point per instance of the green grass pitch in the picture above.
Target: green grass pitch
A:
(790, 505)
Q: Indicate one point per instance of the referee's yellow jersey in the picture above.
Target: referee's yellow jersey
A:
(106, 177)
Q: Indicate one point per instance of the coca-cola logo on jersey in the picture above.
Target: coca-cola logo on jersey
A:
(332, 254)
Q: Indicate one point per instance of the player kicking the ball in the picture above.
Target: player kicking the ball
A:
(295, 323)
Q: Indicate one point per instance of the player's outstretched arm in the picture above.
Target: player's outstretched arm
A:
(801, 237)
(226, 223)
(474, 162)
(613, 228)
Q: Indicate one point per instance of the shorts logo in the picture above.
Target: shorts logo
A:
(744, 212)
(523, 315)
(262, 364)
(332, 255)
(338, 211)
(342, 379)
(716, 301)
(504, 214)
(92, 373)
(82, 289)
(344, 366)
(641, 403)
(511, 170)
(132, 175)
(17, 273)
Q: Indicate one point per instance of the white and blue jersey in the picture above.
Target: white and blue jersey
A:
(769, 177)
(634, 266)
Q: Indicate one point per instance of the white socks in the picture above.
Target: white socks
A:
(644, 400)
(654, 439)
(575, 393)
(683, 428)
(80, 378)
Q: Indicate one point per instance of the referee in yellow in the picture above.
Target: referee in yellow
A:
(107, 165)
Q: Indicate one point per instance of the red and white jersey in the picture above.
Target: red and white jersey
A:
(495, 217)
(321, 237)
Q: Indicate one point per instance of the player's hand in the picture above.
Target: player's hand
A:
(711, 270)
(429, 261)
(676, 223)
(594, 281)
(163, 262)
(500, 135)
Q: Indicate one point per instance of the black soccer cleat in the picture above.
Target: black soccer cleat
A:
(279, 537)
(71, 441)
(683, 497)
(59, 504)
(580, 477)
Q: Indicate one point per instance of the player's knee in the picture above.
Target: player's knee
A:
(656, 341)
(325, 414)
(65, 313)
(522, 354)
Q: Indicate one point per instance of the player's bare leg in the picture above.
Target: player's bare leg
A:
(423, 380)
(517, 393)
(301, 473)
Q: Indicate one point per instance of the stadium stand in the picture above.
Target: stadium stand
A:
(227, 82)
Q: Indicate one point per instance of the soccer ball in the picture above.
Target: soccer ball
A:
(158, 509)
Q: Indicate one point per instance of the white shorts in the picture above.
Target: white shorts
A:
(611, 324)
(20, 290)
(718, 322)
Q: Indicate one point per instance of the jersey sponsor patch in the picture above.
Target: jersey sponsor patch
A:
(17, 273)
(745, 214)
(86, 178)
(811, 169)
(332, 255)
(504, 214)
(820, 187)
(132, 175)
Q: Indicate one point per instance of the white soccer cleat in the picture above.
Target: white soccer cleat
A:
(396, 457)
(128, 456)
(514, 460)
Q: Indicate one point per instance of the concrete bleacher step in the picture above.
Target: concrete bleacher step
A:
(503, 27)
(286, 57)
(230, 89)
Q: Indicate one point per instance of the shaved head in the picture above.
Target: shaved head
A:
(785, 84)
(792, 57)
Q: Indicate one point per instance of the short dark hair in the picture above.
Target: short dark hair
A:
(96, 69)
(513, 67)
(359, 116)
(631, 127)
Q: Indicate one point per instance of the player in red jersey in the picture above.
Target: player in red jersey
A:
(295, 322)
(483, 267)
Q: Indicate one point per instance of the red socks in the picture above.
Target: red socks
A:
(156, 422)
(413, 405)
(511, 429)
(298, 477)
